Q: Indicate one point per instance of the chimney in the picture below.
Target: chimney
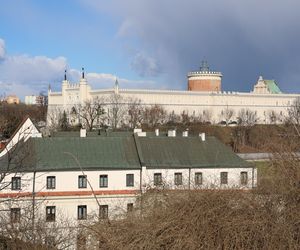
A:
(202, 135)
(83, 132)
(185, 133)
(156, 132)
(172, 133)
(141, 134)
(137, 130)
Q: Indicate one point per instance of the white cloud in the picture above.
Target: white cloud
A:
(26, 75)
(104, 80)
(145, 66)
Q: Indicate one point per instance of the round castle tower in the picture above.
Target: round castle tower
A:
(204, 80)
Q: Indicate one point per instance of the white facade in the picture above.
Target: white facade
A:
(66, 195)
(194, 103)
(78, 195)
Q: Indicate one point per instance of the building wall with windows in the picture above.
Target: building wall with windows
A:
(81, 178)
(265, 98)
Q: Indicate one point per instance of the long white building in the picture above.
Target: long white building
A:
(204, 96)
(77, 176)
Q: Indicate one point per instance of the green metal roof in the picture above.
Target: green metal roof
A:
(90, 153)
(182, 152)
(125, 152)
(272, 87)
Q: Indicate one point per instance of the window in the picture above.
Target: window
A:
(157, 179)
(15, 215)
(103, 181)
(82, 181)
(178, 179)
(224, 178)
(82, 212)
(198, 178)
(16, 183)
(50, 213)
(129, 207)
(103, 212)
(50, 182)
(244, 178)
(129, 180)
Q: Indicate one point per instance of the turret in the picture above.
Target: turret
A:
(83, 87)
(204, 79)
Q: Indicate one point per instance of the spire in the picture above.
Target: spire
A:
(82, 76)
(65, 76)
(116, 86)
(116, 82)
(49, 87)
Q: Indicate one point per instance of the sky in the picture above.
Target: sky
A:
(147, 44)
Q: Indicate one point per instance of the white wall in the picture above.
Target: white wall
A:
(191, 102)
(67, 196)
(211, 177)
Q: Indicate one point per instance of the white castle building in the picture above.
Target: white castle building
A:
(204, 95)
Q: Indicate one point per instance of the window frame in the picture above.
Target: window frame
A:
(197, 182)
(129, 180)
(82, 212)
(52, 181)
(16, 183)
(103, 181)
(15, 215)
(178, 179)
(82, 181)
(51, 216)
(224, 178)
(157, 179)
(103, 212)
(243, 180)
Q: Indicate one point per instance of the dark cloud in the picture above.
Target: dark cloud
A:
(243, 39)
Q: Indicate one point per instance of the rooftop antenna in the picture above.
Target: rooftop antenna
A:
(204, 66)
(65, 76)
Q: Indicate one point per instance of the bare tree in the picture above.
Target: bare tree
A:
(207, 115)
(273, 116)
(247, 117)
(293, 114)
(90, 112)
(117, 110)
(54, 116)
(155, 115)
(227, 114)
(185, 118)
(135, 112)
(173, 118)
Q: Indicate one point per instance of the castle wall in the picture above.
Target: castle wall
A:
(190, 102)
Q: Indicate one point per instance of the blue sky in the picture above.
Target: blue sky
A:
(147, 44)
